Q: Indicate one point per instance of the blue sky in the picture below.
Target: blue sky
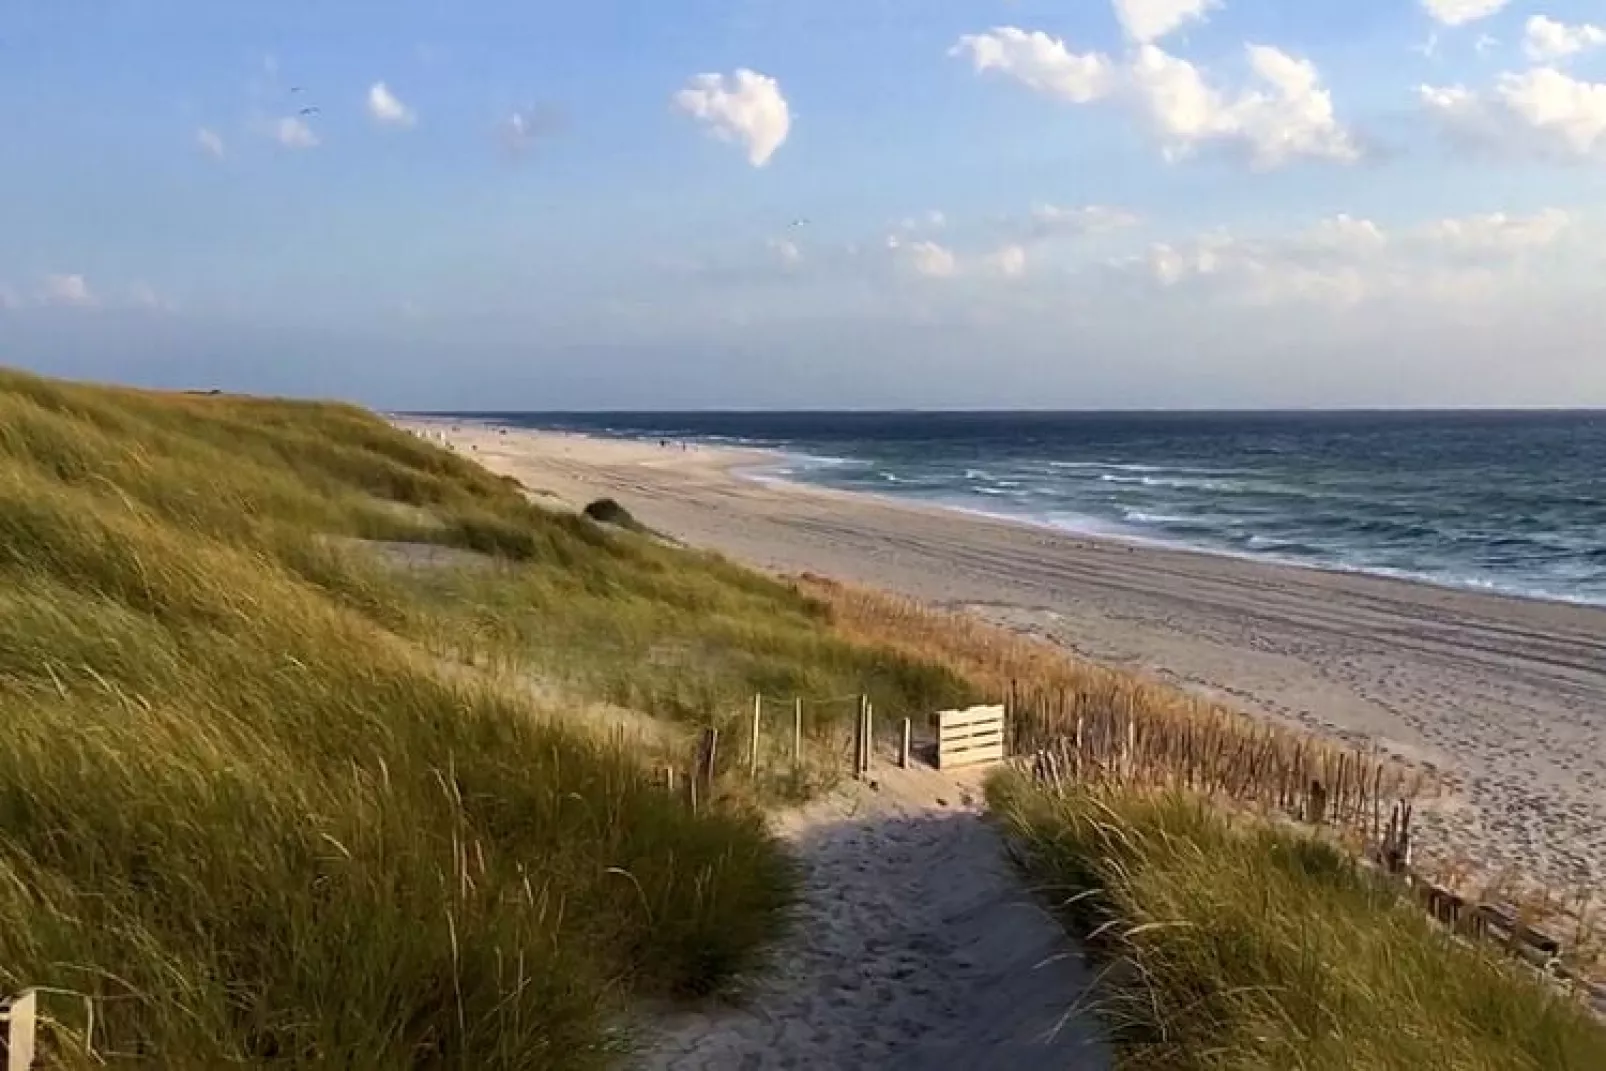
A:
(1075, 203)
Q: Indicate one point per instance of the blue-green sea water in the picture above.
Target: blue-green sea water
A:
(1505, 502)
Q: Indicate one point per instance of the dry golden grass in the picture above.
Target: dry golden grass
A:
(1098, 723)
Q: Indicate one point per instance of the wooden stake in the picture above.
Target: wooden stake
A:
(21, 1017)
(752, 758)
(797, 730)
(903, 747)
(869, 734)
(707, 752)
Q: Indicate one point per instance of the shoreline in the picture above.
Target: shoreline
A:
(757, 464)
(1503, 696)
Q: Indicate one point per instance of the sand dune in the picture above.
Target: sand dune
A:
(1506, 697)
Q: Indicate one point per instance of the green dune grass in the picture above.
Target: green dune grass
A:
(1238, 945)
(246, 806)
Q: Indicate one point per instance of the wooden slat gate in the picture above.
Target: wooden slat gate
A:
(969, 737)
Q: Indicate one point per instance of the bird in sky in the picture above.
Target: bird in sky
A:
(314, 110)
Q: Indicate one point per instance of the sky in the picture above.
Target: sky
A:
(518, 204)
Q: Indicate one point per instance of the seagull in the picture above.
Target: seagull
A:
(295, 89)
(796, 223)
(314, 110)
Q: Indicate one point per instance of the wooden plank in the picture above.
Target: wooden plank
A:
(954, 747)
(971, 716)
(946, 761)
(963, 732)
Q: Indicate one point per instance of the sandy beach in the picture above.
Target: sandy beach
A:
(1506, 698)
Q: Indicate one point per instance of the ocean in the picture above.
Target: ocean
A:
(1510, 502)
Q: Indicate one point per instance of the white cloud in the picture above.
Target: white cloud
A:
(1343, 260)
(1288, 115)
(1547, 39)
(926, 258)
(1149, 20)
(293, 133)
(1047, 220)
(786, 251)
(1542, 112)
(1499, 233)
(210, 143)
(385, 108)
(66, 289)
(1041, 63)
(1462, 12)
(747, 108)
(1009, 262)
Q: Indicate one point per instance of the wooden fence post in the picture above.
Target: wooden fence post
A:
(869, 734)
(797, 731)
(21, 1018)
(758, 712)
(858, 740)
(707, 752)
(903, 746)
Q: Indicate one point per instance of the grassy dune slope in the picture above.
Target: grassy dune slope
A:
(1238, 945)
(247, 805)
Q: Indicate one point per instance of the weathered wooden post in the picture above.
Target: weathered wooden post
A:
(869, 734)
(703, 777)
(21, 1016)
(797, 731)
(1316, 804)
(903, 745)
(752, 756)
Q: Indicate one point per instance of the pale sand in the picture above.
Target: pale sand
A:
(1506, 697)
(914, 947)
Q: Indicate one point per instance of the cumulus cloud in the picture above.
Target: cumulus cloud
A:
(747, 108)
(66, 289)
(1150, 20)
(1041, 63)
(1547, 40)
(1008, 262)
(786, 251)
(210, 143)
(1497, 233)
(1287, 115)
(1543, 112)
(926, 258)
(1343, 260)
(293, 133)
(1047, 220)
(386, 109)
(1462, 12)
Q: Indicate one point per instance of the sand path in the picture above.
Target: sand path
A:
(915, 947)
